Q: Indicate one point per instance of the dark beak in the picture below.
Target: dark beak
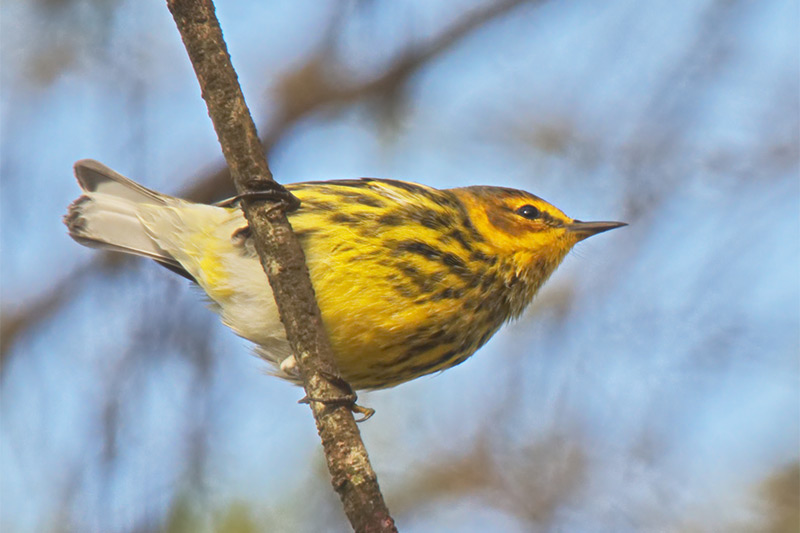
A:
(587, 229)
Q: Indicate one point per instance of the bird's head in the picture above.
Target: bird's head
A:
(521, 227)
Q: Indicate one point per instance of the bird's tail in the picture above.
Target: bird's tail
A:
(107, 215)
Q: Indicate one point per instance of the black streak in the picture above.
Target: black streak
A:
(344, 218)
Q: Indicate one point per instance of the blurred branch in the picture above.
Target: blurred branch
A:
(283, 261)
(34, 312)
(41, 307)
(305, 91)
(531, 482)
(780, 493)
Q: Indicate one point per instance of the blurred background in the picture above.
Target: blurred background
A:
(653, 386)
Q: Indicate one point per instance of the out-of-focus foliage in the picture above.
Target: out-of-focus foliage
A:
(653, 386)
(781, 494)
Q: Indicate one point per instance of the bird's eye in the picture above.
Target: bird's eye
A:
(529, 212)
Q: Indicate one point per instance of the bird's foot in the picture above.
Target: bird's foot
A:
(347, 399)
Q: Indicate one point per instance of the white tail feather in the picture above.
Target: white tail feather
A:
(107, 215)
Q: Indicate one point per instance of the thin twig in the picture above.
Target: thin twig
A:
(284, 263)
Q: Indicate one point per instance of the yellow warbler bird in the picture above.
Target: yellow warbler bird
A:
(409, 279)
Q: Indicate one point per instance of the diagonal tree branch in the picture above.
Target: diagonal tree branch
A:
(284, 263)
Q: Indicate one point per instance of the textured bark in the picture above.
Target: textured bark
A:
(283, 261)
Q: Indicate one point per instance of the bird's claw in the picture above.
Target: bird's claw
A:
(348, 400)
(269, 190)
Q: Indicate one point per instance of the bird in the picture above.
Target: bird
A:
(409, 279)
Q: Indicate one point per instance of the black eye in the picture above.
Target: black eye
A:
(529, 212)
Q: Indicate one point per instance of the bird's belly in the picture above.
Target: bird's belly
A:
(381, 339)
(385, 328)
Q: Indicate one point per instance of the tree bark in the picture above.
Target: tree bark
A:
(284, 263)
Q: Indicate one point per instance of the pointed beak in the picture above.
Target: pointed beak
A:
(586, 229)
